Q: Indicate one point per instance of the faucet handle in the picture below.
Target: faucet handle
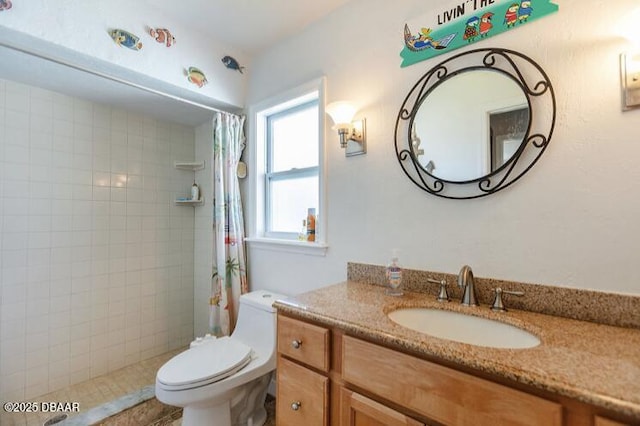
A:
(443, 296)
(498, 305)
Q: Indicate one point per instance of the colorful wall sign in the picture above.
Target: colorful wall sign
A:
(467, 22)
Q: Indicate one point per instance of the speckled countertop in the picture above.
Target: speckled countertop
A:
(594, 363)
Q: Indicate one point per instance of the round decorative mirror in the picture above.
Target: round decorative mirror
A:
(475, 123)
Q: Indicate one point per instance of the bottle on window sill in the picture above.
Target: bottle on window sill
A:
(302, 235)
(311, 225)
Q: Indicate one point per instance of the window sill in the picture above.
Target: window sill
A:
(288, 246)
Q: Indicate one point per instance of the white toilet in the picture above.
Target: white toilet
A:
(224, 381)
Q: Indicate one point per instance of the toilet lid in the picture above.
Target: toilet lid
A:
(204, 364)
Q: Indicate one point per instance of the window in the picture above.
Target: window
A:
(288, 131)
(291, 178)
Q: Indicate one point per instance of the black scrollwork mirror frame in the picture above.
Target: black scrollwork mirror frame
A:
(538, 90)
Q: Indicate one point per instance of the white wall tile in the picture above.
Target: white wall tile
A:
(62, 142)
(16, 189)
(41, 139)
(12, 276)
(90, 242)
(11, 364)
(39, 173)
(16, 207)
(18, 100)
(16, 154)
(36, 342)
(40, 190)
(12, 171)
(15, 223)
(13, 293)
(40, 207)
(42, 107)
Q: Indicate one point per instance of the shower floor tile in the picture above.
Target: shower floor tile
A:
(94, 392)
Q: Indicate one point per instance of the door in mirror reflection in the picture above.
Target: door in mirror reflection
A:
(506, 133)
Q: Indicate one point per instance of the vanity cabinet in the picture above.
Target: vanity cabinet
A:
(326, 377)
(302, 395)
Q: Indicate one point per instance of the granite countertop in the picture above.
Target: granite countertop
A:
(593, 363)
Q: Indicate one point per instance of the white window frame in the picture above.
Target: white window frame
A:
(271, 176)
(258, 114)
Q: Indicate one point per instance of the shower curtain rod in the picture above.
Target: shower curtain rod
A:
(115, 79)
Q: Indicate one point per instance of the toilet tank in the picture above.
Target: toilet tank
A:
(261, 299)
(256, 325)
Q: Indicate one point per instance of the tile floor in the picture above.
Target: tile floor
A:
(102, 399)
(95, 392)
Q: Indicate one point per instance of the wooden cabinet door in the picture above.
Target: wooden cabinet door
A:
(358, 410)
(601, 421)
(440, 393)
(302, 396)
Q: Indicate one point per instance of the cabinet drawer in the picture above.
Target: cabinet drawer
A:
(302, 396)
(304, 342)
(440, 393)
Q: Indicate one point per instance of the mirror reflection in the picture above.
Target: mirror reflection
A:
(470, 125)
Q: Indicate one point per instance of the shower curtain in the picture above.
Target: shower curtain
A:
(229, 278)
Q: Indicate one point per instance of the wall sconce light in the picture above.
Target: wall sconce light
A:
(630, 62)
(352, 134)
(630, 78)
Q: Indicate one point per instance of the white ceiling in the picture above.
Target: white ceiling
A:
(249, 25)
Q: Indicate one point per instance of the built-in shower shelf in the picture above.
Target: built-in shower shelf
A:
(194, 203)
(189, 165)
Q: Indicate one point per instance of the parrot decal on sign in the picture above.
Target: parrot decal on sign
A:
(511, 17)
(524, 11)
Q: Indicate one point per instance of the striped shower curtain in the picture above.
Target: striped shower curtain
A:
(229, 278)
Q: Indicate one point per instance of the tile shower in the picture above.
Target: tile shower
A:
(96, 262)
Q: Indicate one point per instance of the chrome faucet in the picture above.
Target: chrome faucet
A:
(465, 281)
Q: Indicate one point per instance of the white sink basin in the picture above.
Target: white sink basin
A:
(464, 328)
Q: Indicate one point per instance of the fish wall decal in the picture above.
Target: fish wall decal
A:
(5, 5)
(197, 77)
(126, 39)
(232, 64)
(163, 35)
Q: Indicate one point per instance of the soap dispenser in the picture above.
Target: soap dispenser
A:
(394, 276)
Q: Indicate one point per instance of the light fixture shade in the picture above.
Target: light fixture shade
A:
(341, 112)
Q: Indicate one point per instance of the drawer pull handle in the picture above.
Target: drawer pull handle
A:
(296, 344)
(295, 406)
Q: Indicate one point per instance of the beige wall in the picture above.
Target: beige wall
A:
(571, 221)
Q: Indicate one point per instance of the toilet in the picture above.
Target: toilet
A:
(223, 382)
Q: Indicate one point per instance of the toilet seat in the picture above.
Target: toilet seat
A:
(204, 364)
